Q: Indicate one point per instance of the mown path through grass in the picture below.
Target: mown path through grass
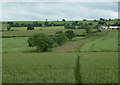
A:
(105, 41)
(69, 46)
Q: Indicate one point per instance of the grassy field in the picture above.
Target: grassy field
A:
(13, 45)
(108, 42)
(55, 22)
(47, 31)
(38, 68)
(60, 67)
(21, 66)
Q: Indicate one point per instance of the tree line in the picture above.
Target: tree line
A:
(43, 43)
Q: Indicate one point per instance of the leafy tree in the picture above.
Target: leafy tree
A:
(101, 23)
(73, 27)
(10, 23)
(90, 24)
(84, 20)
(70, 34)
(63, 20)
(110, 19)
(41, 42)
(30, 27)
(59, 32)
(83, 26)
(76, 22)
(16, 25)
(46, 23)
(8, 27)
(88, 29)
(102, 19)
(60, 38)
(96, 27)
(67, 26)
(35, 23)
(95, 20)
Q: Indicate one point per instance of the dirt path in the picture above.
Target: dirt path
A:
(69, 46)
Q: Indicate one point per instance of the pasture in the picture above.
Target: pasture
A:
(22, 65)
(21, 31)
(98, 67)
(108, 42)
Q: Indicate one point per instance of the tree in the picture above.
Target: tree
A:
(60, 38)
(76, 22)
(10, 23)
(102, 19)
(35, 23)
(41, 42)
(110, 19)
(95, 20)
(96, 27)
(70, 34)
(8, 27)
(63, 20)
(72, 27)
(84, 20)
(30, 27)
(88, 29)
(59, 32)
(46, 23)
(16, 25)
(67, 26)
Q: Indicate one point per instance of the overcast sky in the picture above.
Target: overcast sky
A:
(27, 11)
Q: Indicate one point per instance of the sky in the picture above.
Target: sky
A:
(53, 10)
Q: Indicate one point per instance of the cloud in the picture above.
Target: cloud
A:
(60, 0)
(58, 10)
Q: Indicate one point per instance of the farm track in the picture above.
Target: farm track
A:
(69, 46)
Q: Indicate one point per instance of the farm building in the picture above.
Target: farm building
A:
(114, 27)
(104, 27)
(110, 27)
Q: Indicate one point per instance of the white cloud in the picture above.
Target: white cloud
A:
(58, 10)
(60, 0)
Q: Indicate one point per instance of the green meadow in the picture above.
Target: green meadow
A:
(93, 67)
(22, 31)
(89, 59)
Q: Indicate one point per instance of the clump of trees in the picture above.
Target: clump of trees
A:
(59, 32)
(8, 27)
(88, 29)
(30, 27)
(41, 42)
(44, 43)
(63, 20)
(70, 34)
(60, 38)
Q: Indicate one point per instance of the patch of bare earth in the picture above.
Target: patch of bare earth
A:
(69, 46)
